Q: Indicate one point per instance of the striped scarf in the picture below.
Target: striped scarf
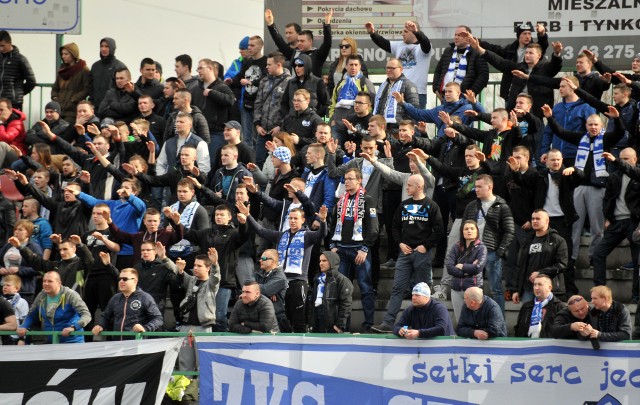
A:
(584, 148)
(457, 68)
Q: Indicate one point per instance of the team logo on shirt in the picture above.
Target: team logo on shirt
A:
(535, 248)
(135, 305)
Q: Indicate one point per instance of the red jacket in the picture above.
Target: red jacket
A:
(13, 132)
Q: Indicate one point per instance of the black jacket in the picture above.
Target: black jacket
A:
(541, 94)
(538, 181)
(317, 55)
(320, 97)
(620, 323)
(336, 298)
(16, 76)
(7, 218)
(521, 199)
(551, 310)
(119, 105)
(303, 124)
(155, 277)
(510, 52)
(215, 107)
(258, 315)
(36, 133)
(103, 73)
(72, 271)
(561, 328)
(554, 254)
(499, 229)
(475, 79)
(614, 186)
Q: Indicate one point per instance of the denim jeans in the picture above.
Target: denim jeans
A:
(414, 264)
(363, 274)
(248, 129)
(222, 306)
(217, 142)
(493, 270)
(261, 149)
(422, 101)
(615, 233)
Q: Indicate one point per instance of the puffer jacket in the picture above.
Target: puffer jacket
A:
(499, 229)
(36, 133)
(473, 260)
(206, 295)
(273, 283)
(475, 79)
(258, 315)
(12, 131)
(16, 76)
(336, 298)
(266, 108)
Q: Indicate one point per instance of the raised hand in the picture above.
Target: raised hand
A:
(398, 96)
(13, 241)
(129, 168)
(514, 165)
(557, 47)
(72, 190)
(268, 16)
(105, 257)
(328, 16)
(79, 129)
(546, 111)
(93, 129)
(85, 177)
(322, 214)
(251, 185)
(16, 150)
(411, 26)
(520, 74)
(75, 239)
(242, 209)
(367, 157)
(270, 146)
(123, 193)
(369, 27)
(470, 113)
(609, 156)
(623, 79)
(213, 255)
(514, 118)
(568, 171)
(569, 83)
(332, 145)
(151, 147)
(422, 126)
(613, 112)
(46, 129)
(290, 188)
(420, 153)
(195, 182)
(480, 156)
(106, 215)
(445, 118)
(348, 125)
(350, 147)
(450, 132)
(590, 54)
(470, 96)
(540, 29)
(161, 251)
(98, 235)
(387, 149)
(180, 264)
(195, 171)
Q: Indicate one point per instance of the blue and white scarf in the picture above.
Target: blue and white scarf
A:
(357, 213)
(457, 68)
(321, 280)
(349, 91)
(584, 148)
(389, 113)
(535, 326)
(291, 252)
(183, 248)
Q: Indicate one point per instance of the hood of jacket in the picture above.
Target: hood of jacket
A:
(333, 258)
(73, 49)
(308, 65)
(112, 49)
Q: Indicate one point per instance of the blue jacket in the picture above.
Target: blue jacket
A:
(327, 185)
(127, 215)
(41, 232)
(471, 274)
(572, 117)
(70, 311)
(431, 320)
(454, 109)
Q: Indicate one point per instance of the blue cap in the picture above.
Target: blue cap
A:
(244, 44)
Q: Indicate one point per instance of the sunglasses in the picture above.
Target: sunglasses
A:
(575, 300)
(345, 46)
(125, 279)
(264, 259)
(298, 64)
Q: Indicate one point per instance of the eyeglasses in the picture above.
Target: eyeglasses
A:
(298, 64)
(361, 103)
(299, 101)
(575, 300)
(345, 46)
(264, 258)
(125, 279)
(392, 67)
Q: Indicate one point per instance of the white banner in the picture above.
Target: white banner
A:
(335, 370)
(133, 372)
